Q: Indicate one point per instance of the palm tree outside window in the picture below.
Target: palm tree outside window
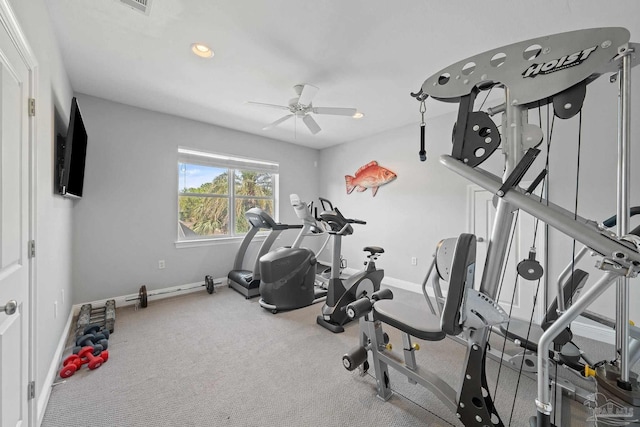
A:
(215, 190)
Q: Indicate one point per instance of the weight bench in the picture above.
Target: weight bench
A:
(464, 310)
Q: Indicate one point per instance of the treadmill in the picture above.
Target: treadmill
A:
(245, 281)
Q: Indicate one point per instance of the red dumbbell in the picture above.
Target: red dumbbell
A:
(74, 362)
(93, 362)
(70, 365)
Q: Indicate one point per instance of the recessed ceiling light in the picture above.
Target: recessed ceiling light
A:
(358, 115)
(201, 50)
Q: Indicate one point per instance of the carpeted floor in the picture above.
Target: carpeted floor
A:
(221, 360)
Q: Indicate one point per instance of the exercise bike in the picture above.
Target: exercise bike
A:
(343, 292)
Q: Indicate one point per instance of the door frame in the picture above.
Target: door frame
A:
(10, 22)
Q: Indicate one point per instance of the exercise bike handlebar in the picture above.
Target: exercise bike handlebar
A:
(349, 220)
(338, 223)
(325, 203)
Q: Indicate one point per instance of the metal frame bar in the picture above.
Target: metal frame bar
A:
(372, 333)
(624, 167)
(583, 231)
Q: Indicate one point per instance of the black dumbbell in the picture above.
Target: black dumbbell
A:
(97, 341)
(92, 329)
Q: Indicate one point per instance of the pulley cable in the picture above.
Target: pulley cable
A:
(575, 208)
(535, 300)
(485, 98)
(503, 274)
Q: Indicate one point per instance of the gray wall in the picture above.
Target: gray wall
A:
(52, 279)
(408, 216)
(428, 202)
(126, 221)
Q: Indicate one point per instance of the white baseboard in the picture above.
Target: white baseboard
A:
(52, 374)
(407, 286)
(393, 282)
(594, 332)
(152, 295)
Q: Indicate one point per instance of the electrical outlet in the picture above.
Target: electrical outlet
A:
(414, 260)
(161, 264)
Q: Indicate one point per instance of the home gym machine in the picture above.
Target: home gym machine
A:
(288, 275)
(343, 292)
(245, 281)
(569, 284)
(552, 70)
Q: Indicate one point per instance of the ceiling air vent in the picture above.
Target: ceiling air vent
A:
(139, 5)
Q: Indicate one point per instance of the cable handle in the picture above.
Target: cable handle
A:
(422, 152)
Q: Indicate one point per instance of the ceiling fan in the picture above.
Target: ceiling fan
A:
(301, 106)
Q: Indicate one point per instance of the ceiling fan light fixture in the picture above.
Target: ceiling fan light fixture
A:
(358, 115)
(201, 50)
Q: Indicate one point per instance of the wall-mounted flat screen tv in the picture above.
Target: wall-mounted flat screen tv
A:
(72, 151)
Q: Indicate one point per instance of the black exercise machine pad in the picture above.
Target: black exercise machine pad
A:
(419, 323)
(518, 330)
(244, 278)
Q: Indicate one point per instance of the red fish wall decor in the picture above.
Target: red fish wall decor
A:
(370, 176)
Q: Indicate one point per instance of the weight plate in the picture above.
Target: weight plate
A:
(530, 270)
(143, 296)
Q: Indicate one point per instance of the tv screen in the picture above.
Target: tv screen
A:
(72, 155)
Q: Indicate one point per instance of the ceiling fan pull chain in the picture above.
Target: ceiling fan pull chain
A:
(423, 153)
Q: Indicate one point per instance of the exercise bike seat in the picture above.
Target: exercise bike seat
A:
(417, 322)
(373, 249)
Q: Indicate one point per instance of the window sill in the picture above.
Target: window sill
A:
(181, 244)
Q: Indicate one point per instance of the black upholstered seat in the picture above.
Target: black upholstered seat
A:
(374, 249)
(417, 322)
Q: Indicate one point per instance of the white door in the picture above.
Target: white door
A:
(14, 233)
(514, 287)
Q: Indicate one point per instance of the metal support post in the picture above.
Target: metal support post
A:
(624, 143)
(497, 248)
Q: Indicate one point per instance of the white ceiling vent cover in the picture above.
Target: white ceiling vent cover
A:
(139, 5)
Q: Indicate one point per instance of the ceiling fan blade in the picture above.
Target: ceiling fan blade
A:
(311, 124)
(277, 122)
(335, 111)
(262, 104)
(307, 94)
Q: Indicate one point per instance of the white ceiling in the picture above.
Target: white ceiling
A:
(364, 54)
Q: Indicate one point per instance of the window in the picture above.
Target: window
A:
(215, 190)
